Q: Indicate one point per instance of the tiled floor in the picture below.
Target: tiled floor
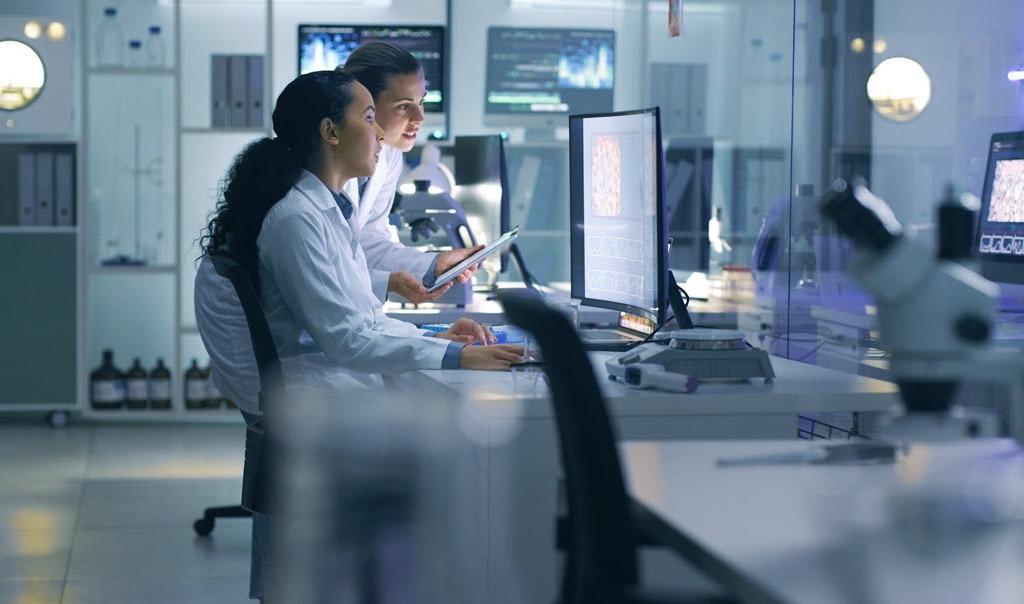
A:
(102, 513)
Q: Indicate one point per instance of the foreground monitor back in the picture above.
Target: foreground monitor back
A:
(618, 237)
(1000, 232)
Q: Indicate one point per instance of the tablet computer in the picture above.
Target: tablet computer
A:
(476, 258)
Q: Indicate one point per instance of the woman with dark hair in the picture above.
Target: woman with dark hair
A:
(395, 79)
(284, 217)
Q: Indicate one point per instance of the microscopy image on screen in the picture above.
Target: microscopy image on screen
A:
(1007, 203)
(619, 257)
(606, 176)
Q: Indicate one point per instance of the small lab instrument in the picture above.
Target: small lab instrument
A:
(700, 353)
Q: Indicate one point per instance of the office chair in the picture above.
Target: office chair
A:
(270, 377)
(602, 560)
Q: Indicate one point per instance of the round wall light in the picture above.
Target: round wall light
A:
(899, 88)
(21, 75)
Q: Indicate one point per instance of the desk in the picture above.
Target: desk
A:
(821, 533)
(520, 466)
(714, 313)
(715, 410)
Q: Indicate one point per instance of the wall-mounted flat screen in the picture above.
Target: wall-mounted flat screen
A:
(536, 77)
(327, 46)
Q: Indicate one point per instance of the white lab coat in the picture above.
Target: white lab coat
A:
(384, 255)
(225, 334)
(315, 288)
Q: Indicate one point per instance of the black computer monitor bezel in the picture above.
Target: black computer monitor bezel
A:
(577, 234)
(1001, 268)
(499, 115)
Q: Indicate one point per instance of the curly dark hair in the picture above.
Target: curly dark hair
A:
(267, 168)
(374, 63)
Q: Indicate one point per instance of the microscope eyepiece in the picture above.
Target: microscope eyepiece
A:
(860, 216)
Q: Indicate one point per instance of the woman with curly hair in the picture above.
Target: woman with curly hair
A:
(284, 217)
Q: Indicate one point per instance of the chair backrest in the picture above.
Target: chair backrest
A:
(268, 364)
(603, 540)
(220, 329)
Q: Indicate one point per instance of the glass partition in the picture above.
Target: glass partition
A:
(764, 104)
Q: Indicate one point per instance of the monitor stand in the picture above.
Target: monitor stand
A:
(528, 279)
(529, 283)
(1010, 298)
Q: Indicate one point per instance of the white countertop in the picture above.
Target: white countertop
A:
(798, 387)
(843, 533)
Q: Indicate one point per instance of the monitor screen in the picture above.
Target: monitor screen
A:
(536, 77)
(327, 46)
(618, 240)
(1000, 237)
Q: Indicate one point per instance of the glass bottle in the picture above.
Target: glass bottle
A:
(160, 386)
(214, 398)
(135, 58)
(109, 40)
(195, 387)
(136, 386)
(154, 47)
(106, 384)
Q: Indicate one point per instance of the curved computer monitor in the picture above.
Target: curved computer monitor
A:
(1000, 230)
(325, 46)
(618, 235)
(537, 77)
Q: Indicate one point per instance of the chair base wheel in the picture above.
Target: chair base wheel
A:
(203, 526)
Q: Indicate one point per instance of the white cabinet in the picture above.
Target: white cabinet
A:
(39, 233)
(153, 164)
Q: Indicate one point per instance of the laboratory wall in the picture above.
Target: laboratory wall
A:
(761, 100)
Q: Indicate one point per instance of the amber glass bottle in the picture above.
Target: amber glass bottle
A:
(106, 384)
(195, 387)
(136, 387)
(160, 386)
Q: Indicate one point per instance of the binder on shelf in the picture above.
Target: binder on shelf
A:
(220, 110)
(238, 90)
(254, 98)
(26, 189)
(44, 188)
(64, 189)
